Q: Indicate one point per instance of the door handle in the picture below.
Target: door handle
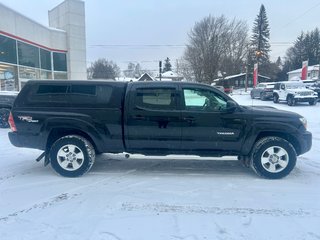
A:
(139, 117)
(189, 119)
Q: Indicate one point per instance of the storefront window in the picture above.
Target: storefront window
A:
(29, 73)
(45, 59)
(60, 75)
(46, 74)
(59, 62)
(28, 55)
(8, 78)
(8, 51)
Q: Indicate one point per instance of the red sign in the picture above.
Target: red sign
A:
(304, 72)
(255, 74)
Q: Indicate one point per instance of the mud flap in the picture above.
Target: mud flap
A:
(46, 158)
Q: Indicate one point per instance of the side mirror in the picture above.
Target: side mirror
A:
(231, 106)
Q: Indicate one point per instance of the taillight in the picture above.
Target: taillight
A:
(12, 124)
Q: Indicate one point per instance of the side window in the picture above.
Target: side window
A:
(203, 100)
(55, 89)
(90, 95)
(156, 98)
(48, 95)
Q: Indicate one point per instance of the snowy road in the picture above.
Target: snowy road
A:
(160, 198)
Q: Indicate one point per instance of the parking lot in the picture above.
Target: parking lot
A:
(174, 197)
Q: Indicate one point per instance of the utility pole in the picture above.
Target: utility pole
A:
(160, 69)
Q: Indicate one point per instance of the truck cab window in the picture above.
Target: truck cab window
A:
(203, 100)
(156, 98)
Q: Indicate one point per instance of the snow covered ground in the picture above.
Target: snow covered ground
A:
(160, 198)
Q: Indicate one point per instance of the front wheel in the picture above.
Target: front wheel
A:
(275, 98)
(72, 156)
(291, 101)
(313, 102)
(273, 157)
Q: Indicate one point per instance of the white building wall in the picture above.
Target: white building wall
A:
(313, 73)
(23, 27)
(70, 16)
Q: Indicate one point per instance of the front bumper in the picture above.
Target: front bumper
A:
(304, 99)
(305, 142)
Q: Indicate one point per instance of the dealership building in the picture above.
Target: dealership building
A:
(30, 50)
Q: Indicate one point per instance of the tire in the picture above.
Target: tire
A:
(273, 157)
(4, 115)
(313, 102)
(275, 98)
(291, 101)
(251, 95)
(72, 156)
(263, 96)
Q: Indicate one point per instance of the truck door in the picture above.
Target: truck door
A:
(153, 120)
(206, 125)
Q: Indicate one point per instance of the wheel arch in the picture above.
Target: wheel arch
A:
(57, 133)
(289, 95)
(286, 136)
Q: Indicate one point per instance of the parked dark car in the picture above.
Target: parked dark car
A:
(71, 121)
(264, 91)
(6, 101)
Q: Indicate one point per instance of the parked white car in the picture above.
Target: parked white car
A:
(293, 92)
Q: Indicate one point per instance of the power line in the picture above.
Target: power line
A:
(136, 45)
(301, 15)
(158, 45)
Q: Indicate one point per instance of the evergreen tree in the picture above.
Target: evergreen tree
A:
(306, 47)
(167, 65)
(260, 38)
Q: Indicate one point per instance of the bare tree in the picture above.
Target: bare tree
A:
(216, 44)
(184, 68)
(103, 69)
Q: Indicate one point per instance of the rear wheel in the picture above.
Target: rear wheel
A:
(275, 98)
(273, 157)
(263, 96)
(251, 95)
(72, 156)
(4, 115)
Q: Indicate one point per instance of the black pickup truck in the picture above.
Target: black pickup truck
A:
(72, 121)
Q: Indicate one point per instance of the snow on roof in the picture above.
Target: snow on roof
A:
(239, 75)
(233, 76)
(170, 74)
(310, 68)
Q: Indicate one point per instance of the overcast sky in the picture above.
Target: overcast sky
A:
(166, 23)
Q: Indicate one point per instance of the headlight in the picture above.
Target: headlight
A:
(304, 122)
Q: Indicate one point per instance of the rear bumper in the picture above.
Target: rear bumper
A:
(268, 94)
(305, 141)
(26, 140)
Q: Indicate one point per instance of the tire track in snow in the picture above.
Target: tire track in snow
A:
(42, 205)
(166, 208)
(67, 196)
